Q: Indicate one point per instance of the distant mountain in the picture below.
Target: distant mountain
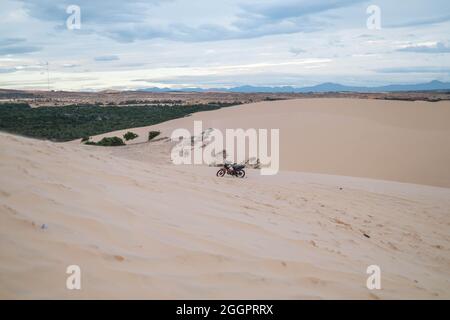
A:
(433, 85)
(321, 88)
(330, 87)
(336, 87)
(252, 89)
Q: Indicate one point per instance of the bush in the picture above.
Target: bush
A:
(84, 139)
(110, 142)
(153, 134)
(130, 136)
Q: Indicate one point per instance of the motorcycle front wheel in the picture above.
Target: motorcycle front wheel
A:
(241, 173)
(220, 173)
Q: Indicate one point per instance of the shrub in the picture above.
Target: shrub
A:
(84, 139)
(110, 142)
(153, 134)
(130, 136)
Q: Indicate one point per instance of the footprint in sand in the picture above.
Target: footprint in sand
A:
(5, 194)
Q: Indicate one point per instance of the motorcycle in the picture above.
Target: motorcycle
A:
(235, 170)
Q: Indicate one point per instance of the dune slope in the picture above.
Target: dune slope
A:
(388, 140)
(143, 230)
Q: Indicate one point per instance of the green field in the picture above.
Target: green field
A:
(77, 121)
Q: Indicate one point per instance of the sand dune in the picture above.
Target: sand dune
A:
(140, 227)
(389, 140)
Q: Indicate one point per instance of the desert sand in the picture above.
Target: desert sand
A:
(388, 140)
(140, 227)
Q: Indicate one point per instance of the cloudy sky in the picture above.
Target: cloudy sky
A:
(204, 43)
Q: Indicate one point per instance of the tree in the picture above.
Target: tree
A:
(130, 136)
(153, 134)
(111, 142)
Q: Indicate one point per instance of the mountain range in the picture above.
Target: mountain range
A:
(324, 87)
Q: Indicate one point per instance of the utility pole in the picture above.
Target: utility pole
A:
(48, 78)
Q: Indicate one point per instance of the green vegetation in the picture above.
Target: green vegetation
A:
(130, 136)
(107, 142)
(85, 139)
(153, 134)
(273, 99)
(77, 121)
(110, 142)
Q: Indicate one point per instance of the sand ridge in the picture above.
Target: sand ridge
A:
(387, 140)
(140, 229)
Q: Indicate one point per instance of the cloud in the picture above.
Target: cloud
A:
(18, 49)
(259, 18)
(419, 69)
(420, 22)
(221, 80)
(16, 46)
(129, 21)
(134, 20)
(370, 37)
(296, 51)
(70, 65)
(439, 47)
(107, 58)
(279, 10)
(11, 41)
(26, 67)
(223, 42)
(204, 32)
(7, 70)
(99, 12)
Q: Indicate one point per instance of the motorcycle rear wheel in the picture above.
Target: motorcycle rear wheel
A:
(240, 173)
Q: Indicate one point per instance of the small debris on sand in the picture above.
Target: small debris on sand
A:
(119, 258)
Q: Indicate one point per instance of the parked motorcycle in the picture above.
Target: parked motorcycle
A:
(235, 170)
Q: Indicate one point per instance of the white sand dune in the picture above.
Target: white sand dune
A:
(389, 140)
(140, 227)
